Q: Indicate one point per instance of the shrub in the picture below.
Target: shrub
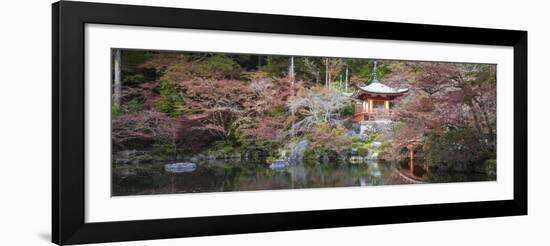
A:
(115, 111)
(137, 130)
(132, 106)
(171, 99)
(221, 63)
(458, 150)
(164, 150)
(330, 141)
(361, 146)
(491, 167)
(227, 148)
(348, 109)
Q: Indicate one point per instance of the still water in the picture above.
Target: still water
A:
(222, 176)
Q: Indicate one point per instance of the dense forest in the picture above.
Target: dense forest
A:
(190, 106)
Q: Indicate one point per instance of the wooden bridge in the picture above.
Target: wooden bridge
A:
(409, 179)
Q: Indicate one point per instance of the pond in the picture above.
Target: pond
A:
(237, 175)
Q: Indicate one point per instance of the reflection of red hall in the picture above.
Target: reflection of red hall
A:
(367, 99)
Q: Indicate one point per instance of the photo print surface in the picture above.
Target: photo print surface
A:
(188, 122)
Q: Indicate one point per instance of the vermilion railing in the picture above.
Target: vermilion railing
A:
(376, 115)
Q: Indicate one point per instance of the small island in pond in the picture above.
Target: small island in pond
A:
(186, 122)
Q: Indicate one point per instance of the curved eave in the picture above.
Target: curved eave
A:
(399, 92)
(348, 94)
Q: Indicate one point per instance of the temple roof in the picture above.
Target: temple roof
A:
(378, 88)
(375, 87)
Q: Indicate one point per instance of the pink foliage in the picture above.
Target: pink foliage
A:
(146, 126)
(441, 95)
(220, 105)
(267, 129)
(284, 88)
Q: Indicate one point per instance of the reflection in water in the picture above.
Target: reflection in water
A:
(234, 175)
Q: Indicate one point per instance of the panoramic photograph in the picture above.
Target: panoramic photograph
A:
(192, 122)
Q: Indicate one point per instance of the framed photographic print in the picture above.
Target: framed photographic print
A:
(176, 122)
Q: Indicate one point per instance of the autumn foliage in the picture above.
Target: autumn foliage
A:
(192, 100)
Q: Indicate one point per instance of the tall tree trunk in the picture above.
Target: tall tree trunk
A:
(317, 78)
(259, 64)
(326, 73)
(346, 78)
(291, 69)
(329, 77)
(329, 73)
(291, 74)
(118, 78)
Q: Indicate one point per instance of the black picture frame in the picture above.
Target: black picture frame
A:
(68, 107)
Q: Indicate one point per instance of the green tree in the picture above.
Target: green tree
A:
(458, 150)
(171, 99)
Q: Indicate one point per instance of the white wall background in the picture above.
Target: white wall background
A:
(25, 122)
